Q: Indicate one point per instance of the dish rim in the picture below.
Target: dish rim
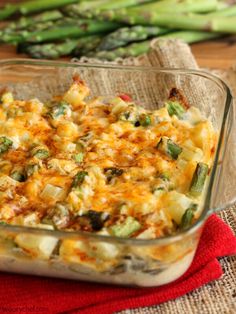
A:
(133, 241)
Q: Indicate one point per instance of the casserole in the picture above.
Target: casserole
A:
(134, 264)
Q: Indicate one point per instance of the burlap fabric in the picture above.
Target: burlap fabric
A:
(218, 296)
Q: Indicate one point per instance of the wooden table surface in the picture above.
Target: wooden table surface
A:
(219, 54)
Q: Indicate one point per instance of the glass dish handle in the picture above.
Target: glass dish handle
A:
(224, 186)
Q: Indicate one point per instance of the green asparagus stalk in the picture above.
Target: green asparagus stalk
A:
(41, 5)
(50, 50)
(7, 11)
(191, 36)
(32, 6)
(150, 10)
(227, 11)
(187, 217)
(175, 108)
(215, 23)
(126, 35)
(55, 50)
(86, 44)
(94, 7)
(132, 50)
(136, 49)
(82, 28)
(25, 22)
(199, 179)
(59, 30)
(19, 36)
(168, 147)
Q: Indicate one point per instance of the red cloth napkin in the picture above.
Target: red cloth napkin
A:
(29, 294)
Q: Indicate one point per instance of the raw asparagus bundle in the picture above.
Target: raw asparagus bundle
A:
(126, 35)
(98, 28)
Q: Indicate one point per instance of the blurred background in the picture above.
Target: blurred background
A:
(111, 29)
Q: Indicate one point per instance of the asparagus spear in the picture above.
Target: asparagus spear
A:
(40, 5)
(191, 36)
(168, 147)
(79, 178)
(51, 50)
(136, 49)
(94, 7)
(25, 22)
(126, 35)
(7, 11)
(227, 11)
(18, 36)
(79, 29)
(32, 6)
(78, 47)
(86, 44)
(175, 108)
(132, 50)
(215, 23)
(18, 175)
(5, 144)
(60, 30)
(150, 10)
(187, 217)
(199, 179)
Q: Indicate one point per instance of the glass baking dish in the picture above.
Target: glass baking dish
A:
(113, 260)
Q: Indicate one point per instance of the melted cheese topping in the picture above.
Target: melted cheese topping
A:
(71, 158)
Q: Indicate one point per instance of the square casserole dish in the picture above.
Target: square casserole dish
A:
(136, 262)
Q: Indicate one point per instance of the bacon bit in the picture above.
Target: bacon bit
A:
(78, 80)
(213, 150)
(125, 97)
(84, 257)
(176, 95)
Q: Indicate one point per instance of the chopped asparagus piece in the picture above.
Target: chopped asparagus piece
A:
(168, 147)
(199, 179)
(18, 176)
(127, 228)
(40, 153)
(5, 144)
(79, 178)
(144, 120)
(79, 157)
(173, 149)
(187, 217)
(59, 110)
(25, 22)
(175, 108)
